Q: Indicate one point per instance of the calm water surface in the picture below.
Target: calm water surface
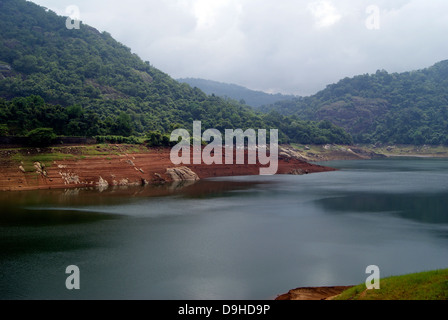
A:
(228, 238)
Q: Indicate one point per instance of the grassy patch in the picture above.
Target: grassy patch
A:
(93, 151)
(28, 156)
(46, 159)
(307, 148)
(110, 149)
(431, 285)
(136, 149)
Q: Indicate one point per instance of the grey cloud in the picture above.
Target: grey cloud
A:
(290, 46)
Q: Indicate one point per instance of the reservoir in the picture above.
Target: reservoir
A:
(251, 237)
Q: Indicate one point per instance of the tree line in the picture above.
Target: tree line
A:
(397, 108)
(85, 83)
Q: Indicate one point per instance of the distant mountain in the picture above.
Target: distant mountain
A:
(81, 82)
(252, 98)
(397, 108)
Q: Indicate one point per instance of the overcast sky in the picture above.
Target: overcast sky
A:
(288, 46)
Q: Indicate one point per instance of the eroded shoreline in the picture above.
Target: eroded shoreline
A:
(313, 293)
(117, 165)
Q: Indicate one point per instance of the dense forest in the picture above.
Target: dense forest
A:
(81, 82)
(397, 108)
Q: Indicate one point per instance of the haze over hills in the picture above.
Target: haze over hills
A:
(397, 108)
(83, 82)
(247, 96)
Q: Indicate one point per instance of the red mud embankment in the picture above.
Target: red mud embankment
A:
(126, 167)
(313, 293)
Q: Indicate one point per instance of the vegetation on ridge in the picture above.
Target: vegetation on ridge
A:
(84, 83)
(397, 108)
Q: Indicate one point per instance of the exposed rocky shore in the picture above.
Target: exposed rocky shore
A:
(119, 165)
(329, 152)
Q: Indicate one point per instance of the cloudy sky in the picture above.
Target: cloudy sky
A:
(288, 46)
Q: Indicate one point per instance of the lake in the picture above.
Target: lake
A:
(229, 238)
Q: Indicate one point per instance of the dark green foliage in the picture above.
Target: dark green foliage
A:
(41, 137)
(4, 130)
(117, 139)
(25, 114)
(156, 139)
(84, 83)
(405, 108)
(123, 125)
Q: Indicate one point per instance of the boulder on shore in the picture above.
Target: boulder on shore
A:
(182, 174)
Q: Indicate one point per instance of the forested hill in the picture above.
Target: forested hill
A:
(82, 82)
(252, 98)
(400, 108)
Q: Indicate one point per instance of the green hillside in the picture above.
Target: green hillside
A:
(82, 82)
(428, 285)
(398, 108)
(252, 98)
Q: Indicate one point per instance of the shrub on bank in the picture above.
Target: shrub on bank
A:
(41, 137)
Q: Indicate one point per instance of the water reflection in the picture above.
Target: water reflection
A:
(242, 238)
(16, 216)
(420, 207)
(15, 243)
(59, 207)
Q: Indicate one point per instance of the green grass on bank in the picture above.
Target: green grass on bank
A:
(45, 159)
(431, 285)
(28, 156)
